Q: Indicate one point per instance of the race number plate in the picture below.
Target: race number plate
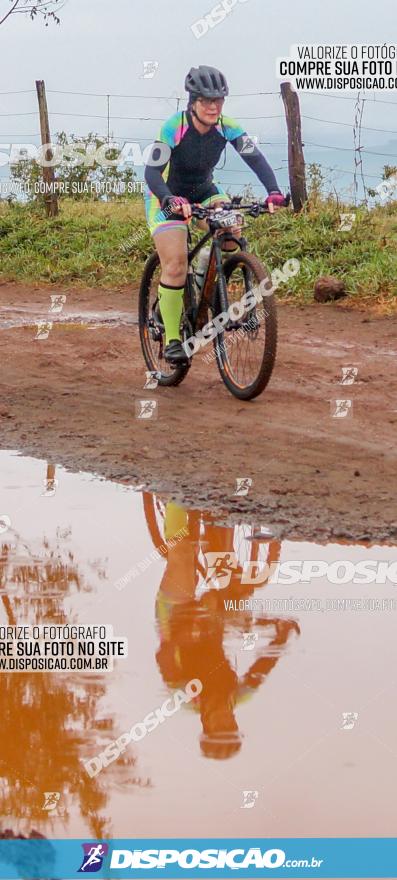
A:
(231, 219)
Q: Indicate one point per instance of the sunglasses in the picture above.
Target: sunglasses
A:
(207, 102)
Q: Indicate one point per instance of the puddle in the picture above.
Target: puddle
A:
(293, 733)
(12, 318)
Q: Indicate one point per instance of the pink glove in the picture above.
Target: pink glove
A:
(277, 199)
(175, 204)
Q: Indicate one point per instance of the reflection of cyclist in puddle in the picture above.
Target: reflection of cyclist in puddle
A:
(193, 629)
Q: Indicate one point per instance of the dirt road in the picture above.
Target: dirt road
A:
(70, 398)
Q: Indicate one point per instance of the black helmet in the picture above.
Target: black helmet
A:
(206, 82)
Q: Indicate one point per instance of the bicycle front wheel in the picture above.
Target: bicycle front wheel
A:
(246, 347)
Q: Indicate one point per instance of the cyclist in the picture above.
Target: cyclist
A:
(195, 630)
(188, 148)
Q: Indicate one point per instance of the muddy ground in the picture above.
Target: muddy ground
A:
(71, 399)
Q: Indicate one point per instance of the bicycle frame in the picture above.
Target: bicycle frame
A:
(197, 311)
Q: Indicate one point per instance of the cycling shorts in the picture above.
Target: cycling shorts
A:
(158, 221)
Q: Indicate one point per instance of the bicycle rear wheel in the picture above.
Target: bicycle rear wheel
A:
(246, 349)
(151, 329)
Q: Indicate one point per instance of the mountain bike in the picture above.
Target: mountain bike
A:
(243, 331)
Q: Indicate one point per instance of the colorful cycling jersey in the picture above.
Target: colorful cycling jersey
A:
(192, 157)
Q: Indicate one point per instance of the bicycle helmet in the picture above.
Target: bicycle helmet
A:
(206, 82)
(220, 745)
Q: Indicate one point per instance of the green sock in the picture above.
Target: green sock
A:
(171, 307)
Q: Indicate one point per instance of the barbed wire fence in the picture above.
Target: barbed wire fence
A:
(109, 126)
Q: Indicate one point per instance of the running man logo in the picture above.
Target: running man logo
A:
(248, 144)
(243, 485)
(51, 799)
(346, 222)
(249, 799)
(341, 408)
(57, 303)
(152, 378)
(93, 857)
(249, 640)
(146, 409)
(149, 69)
(349, 720)
(349, 375)
(220, 568)
(43, 329)
(50, 487)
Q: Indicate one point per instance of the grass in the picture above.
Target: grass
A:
(105, 244)
(364, 258)
(83, 246)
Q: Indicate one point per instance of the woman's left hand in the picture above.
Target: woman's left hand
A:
(277, 200)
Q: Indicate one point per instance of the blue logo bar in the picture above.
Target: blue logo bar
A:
(172, 859)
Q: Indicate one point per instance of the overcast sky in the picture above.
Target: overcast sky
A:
(100, 47)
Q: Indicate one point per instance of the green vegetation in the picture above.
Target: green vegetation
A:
(85, 164)
(364, 258)
(86, 245)
(97, 243)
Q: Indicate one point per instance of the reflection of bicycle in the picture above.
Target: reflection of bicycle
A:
(239, 539)
(245, 337)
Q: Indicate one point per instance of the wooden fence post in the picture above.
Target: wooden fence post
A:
(50, 198)
(296, 160)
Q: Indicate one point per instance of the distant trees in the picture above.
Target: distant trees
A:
(47, 9)
(88, 167)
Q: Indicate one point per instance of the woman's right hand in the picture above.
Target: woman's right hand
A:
(179, 205)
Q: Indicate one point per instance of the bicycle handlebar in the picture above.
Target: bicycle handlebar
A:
(252, 208)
